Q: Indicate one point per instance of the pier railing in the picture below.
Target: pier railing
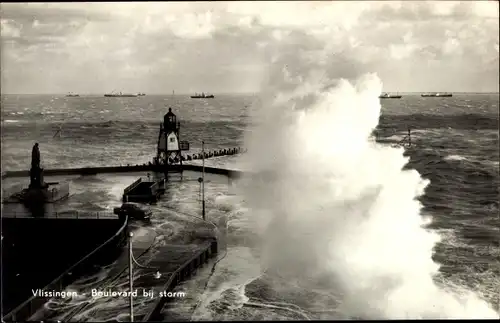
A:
(181, 273)
(132, 186)
(62, 214)
(27, 309)
(126, 169)
(215, 153)
(154, 187)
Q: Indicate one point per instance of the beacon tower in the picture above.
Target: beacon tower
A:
(169, 144)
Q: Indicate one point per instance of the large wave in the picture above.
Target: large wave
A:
(337, 206)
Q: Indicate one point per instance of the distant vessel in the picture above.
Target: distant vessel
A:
(436, 94)
(141, 94)
(390, 96)
(202, 96)
(72, 95)
(120, 95)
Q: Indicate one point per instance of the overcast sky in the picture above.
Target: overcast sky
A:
(228, 46)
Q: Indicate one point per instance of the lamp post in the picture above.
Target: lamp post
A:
(132, 260)
(203, 180)
(131, 278)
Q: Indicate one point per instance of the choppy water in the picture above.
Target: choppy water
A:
(456, 146)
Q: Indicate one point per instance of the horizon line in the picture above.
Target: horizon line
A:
(249, 93)
(146, 94)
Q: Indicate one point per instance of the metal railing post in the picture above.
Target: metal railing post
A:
(131, 278)
(203, 181)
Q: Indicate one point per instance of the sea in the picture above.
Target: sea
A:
(423, 243)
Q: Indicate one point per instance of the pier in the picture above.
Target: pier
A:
(185, 260)
(107, 234)
(174, 262)
(55, 231)
(39, 243)
(147, 191)
(181, 263)
(176, 165)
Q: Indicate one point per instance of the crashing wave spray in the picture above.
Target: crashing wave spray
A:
(340, 204)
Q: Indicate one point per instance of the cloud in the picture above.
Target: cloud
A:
(9, 29)
(212, 46)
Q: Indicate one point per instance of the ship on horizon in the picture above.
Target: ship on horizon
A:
(436, 94)
(141, 94)
(386, 95)
(120, 95)
(72, 95)
(202, 96)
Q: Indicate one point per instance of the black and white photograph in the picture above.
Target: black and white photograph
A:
(249, 161)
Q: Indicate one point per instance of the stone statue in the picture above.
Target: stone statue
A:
(35, 156)
(35, 171)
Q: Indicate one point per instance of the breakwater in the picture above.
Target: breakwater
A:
(125, 169)
(176, 166)
(209, 154)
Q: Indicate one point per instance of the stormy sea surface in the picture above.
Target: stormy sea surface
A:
(351, 270)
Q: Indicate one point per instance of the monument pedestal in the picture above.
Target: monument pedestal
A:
(36, 178)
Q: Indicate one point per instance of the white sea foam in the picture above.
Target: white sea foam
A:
(455, 157)
(340, 204)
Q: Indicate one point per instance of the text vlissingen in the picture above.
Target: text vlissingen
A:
(53, 293)
(105, 293)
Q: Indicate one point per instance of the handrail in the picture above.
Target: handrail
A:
(132, 186)
(61, 215)
(171, 279)
(12, 313)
